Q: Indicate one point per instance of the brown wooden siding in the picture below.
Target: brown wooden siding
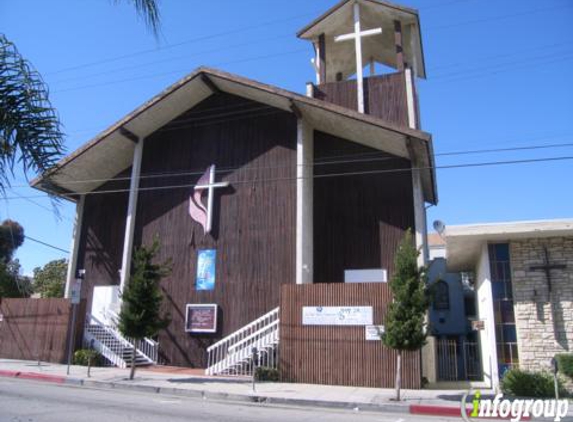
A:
(37, 329)
(103, 229)
(253, 147)
(359, 220)
(384, 96)
(339, 355)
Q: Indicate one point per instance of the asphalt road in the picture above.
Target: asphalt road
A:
(29, 401)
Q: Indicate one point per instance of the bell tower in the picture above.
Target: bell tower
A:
(373, 37)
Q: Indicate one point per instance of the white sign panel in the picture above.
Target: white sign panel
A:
(375, 275)
(75, 296)
(374, 332)
(337, 315)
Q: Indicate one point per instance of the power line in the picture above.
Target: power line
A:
(176, 71)
(325, 161)
(321, 176)
(46, 244)
(497, 18)
(212, 36)
(341, 159)
(178, 44)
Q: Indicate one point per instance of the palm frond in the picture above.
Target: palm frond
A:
(148, 10)
(30, 129)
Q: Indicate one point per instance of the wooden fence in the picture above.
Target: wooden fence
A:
(37, 329)
(334, 354)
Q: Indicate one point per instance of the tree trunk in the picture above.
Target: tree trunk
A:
(398, 374)
(133, 354)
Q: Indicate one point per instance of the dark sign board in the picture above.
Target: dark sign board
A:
(201, 318)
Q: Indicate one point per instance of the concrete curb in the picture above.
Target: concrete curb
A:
(251, 398)
(431, 410)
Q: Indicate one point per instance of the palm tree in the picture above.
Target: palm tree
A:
(30, 130)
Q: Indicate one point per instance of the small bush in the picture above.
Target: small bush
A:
(565, 363)
(81, 357)
(520, 383)
(267, 374)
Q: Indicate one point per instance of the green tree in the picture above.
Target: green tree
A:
(405, 328)
(12, 284)
(30, 129)
(11, 238)
(50, 280)
(140, 314)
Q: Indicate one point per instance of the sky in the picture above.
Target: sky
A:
(499, 76)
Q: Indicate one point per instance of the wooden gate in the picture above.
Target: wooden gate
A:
(335, 354)
(37, 329)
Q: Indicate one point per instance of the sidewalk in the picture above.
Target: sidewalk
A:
(189, 382)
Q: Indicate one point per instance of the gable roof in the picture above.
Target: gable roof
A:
(111, 152)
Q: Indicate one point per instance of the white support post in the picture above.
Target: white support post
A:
(358, 46)
(420, 217)
(304, 202)
(419, 203)
(130, 219)
(75, 246)
(410, 99)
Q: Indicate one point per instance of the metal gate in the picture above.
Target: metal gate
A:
(458, 360)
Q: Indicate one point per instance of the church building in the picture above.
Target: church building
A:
(523, 283)
(253, 190)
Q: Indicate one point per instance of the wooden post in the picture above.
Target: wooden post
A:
(398, 43)
(321, 59)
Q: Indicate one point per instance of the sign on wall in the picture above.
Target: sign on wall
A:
(373, 332)
(201, 318)
(337, 315)
(206, 260)
(374, 275)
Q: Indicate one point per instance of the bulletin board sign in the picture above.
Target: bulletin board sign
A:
(201, 318)
(206, 260)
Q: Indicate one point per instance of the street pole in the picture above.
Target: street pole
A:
(71, 336)
(75, 298)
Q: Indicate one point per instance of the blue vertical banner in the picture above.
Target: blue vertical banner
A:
(206, 259)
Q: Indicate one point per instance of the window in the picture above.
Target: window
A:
(504, 316)
(442, 296)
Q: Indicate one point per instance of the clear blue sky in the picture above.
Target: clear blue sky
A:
(500, 75)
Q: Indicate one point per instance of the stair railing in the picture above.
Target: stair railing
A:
(233, 354)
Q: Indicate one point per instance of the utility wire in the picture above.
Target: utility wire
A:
(184, 42)
(321, 176)
(340, 159)
(249, 59)
(46, 244)
(212, 36)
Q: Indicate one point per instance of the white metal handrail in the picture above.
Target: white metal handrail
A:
(146, 346)
(233, 354)
(107, 340)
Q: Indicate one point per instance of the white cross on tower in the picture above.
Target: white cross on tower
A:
(206, 182)
(357, 37)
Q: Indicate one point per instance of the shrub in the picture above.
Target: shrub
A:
(263, 373)
(81, 357)
(520, 383)
(565, 363)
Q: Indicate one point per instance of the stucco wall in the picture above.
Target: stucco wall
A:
(544, 320)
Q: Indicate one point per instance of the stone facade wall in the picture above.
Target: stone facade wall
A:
(544, 320)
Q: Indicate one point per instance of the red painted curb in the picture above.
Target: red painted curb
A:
(33, 376)
(12, 374)
(42, 377)
(418, 409)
